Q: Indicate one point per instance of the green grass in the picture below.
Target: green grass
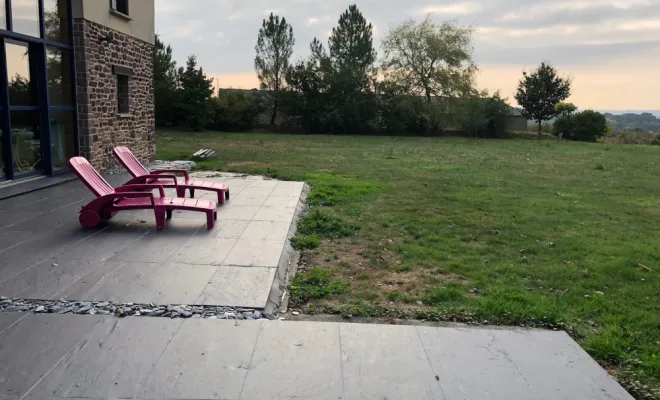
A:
(505, 231)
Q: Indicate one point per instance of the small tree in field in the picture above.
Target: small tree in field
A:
(195, 91)
(274, 49)
(562, 124)
(539, 92)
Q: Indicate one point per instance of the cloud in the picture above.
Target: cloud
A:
(457, 8)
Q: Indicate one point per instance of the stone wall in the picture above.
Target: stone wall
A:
(98, 51)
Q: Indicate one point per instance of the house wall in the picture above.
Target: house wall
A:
(140, 24)
(98, 51)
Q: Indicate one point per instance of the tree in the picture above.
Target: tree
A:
(274, 49)
(165, 84)
(563, 124)
(194, 95)
(585, 126)
(539, 92)
(430, 59)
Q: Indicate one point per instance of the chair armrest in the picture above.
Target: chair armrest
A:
(130, 188)
(172, 171)
(143, 179)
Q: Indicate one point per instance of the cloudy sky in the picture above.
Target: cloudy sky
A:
(611, 48)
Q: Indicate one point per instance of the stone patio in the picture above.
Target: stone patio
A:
(47, 255)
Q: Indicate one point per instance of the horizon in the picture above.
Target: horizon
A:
(609, 47)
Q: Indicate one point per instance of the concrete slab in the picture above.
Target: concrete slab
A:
(203, 250)
(46, 245)
(204, 360)
(266, 230)
(51, 278)
(238, 286)
(145, 283)
(227, 229)
(155, 247)
(557, 367)
(101, 246)
(9, 319)
(275, 214)
(386, 361)
(282, 201)
(12, 238)
(255, 253)
(35, 345)
(113, 362)
(235, 212)
(471, 364)
(287, 189)
(295, 360)
(12, 266)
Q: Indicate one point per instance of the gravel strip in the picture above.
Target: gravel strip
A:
(120, 309)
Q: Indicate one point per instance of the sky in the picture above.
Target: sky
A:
(610, 48)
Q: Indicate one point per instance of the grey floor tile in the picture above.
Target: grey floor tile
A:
(103, 245)
(226, 229)
(470, 365)
(249, 197)
(282, 201)
(385, 361)
(48, 244)
(10, 238)
(235, 212)
(12, 266)
(266, 230)
(16, 217)
(295, 360)
(275, 214)
(156, 247)
(238, 286)
(35, 345)
(51, 278)
(8, 319)
(263, 184)
(203, 250)
(145, 283)
(205, 360)
(56, 220)
(288, 189)
(555, 366)
(256, 253)
(113, 362)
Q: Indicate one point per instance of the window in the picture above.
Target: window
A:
(123, 97)
(120, 6)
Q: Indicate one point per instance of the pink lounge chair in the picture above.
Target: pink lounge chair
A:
(166, 178)
(131, 197)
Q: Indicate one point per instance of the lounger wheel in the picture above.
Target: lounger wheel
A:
(89, 219)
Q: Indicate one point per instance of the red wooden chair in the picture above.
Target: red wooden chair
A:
(131, 197)
(166, 178)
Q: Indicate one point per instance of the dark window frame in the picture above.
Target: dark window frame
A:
(120, 6)
(123, 82)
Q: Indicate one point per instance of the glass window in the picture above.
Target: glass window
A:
(21, 86)
(25, 15)
(123, 97)
(60, 87)
(62, 137)
(26, 141)
(56, 20)
(3, 15)
(119, 6)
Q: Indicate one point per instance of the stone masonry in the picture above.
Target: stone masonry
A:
(99, 51)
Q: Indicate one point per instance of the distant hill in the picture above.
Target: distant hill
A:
(656, 113)
(642, 122)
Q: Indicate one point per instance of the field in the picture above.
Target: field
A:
(517, 232)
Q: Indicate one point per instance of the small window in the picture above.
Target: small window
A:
(121, 6)
(123, 95)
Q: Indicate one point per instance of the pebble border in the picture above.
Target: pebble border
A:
(120, 309)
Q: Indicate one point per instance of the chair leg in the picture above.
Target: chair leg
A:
(160, 218)
(180, 191)
(192, 193)
(169, 214)
(227, 195)
(221, 198)
(210, 219)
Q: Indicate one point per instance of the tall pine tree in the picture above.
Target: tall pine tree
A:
(274, 49)
(165, 84)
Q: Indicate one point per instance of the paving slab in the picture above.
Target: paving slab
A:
(275, 214)
(295, 361)
(386, 361)
(557, 367)
(266, 230)
(12, 266)
(8, 319)
(235, 212)
(103, 245)
(155, 246)
(51, 278)
(227, 229)
(35, 345)
(113, 362)
(204, 360)
(471, 364)
(255, 253)
(282, 201)
(203, 250)
(238, 286)
(166, 283)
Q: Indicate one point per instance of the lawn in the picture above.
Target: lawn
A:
(548, 234)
